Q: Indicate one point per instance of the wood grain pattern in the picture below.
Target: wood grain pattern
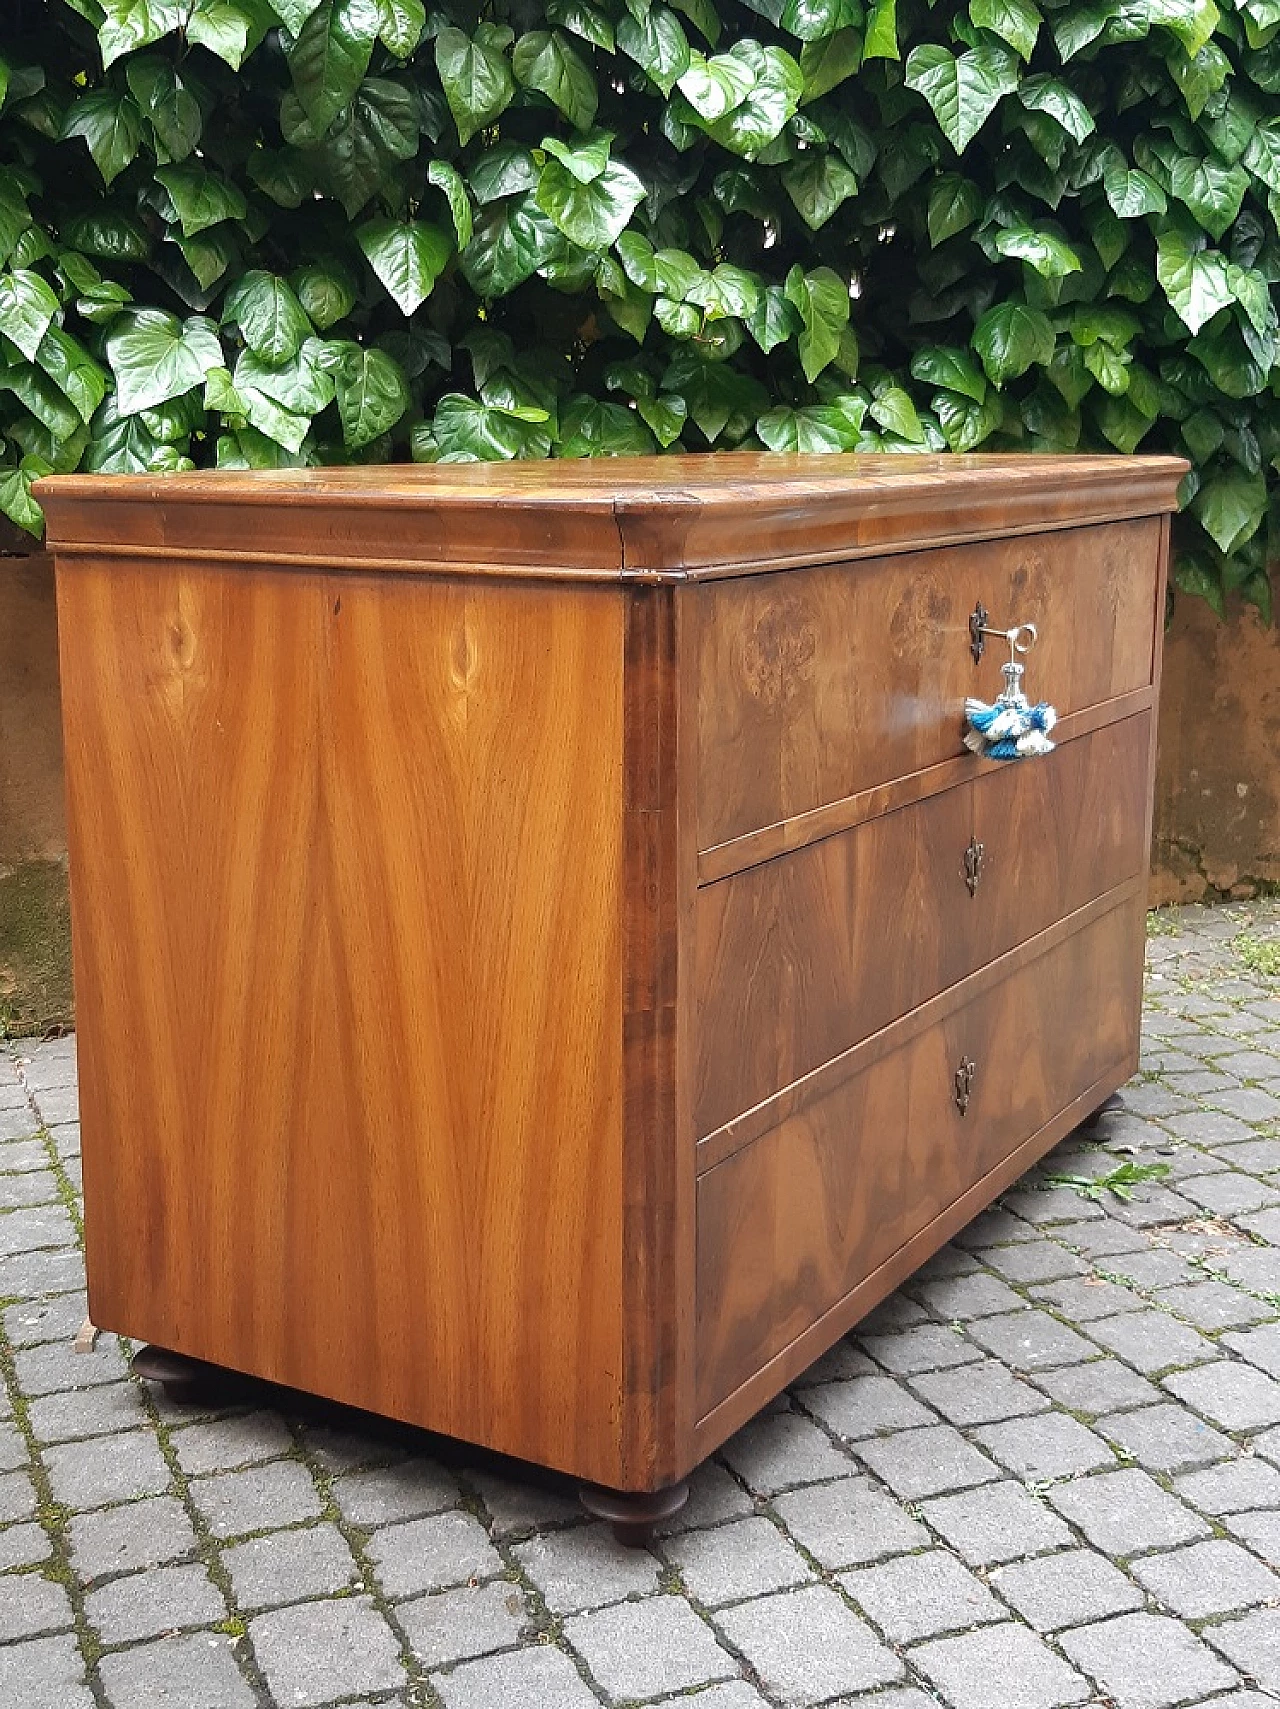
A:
(791, 1224)
(625, 518)
(822, 683)
(351, 1033)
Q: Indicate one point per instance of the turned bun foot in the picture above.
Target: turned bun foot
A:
(633, 1516)
(1114, 1102)
(187, 1382)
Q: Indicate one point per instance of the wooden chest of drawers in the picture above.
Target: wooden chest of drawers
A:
(546, 963)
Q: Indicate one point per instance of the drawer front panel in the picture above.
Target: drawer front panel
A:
(792, 1222)
(814, 685)
(800, 957)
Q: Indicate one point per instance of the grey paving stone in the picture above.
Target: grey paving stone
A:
(231, 1442)
(1154, 1267)
(1232, 1488)
(1145, 1661)
(197, 1672)
(1249, 1103)
(148, 1604)
(289, 1566)
(123, 1539)
(56, 1365)
(30, 1606)
(866, 1406)
(1230, 1192)
(1258, 1156)
(781, 1450)
(1232, 1394)
(92, 1474)
(1151, 1207)
(32, 1275)
(1213, 1127)
(457, 1625)
(922, 1596)
(1070, 1589)
(1031, 1340)
(395, 1492)
(1152, 1341)
(539, 1678)
(992, 1229)
(585, 1567)
(1035, 1261)
(1215, 1305)
(45, 1673)
(1261, 1531)
(1048, 1445)
(100, 1411)
(317, 1651)
(962, 1298)
(1253, 1267)
(23, 1546)
(1102, 1385)
(515, 1507)
(978, 1394)
(259, 1499)
(17, 1497)
(1167, 1438)
(56, 1103)
(747, 1558)
(1265, 1224)
(737, 1694)
(714, 1496)
(898, 1311)
(1106, 1238)
(22, 1154)
(928, 1347)
(918, 1463)
(808, 1645)
(849, 1523)
(837, 1365)
(34, 1187)
(1253, 1644)
(1083, 1298)
(17, 1121)
(1216, 1577)
(641, 1649)
(1124, 1512)
(1261, 1347)
(30, 1230)
(13, 1449)
(434, 1553)
(1045, 1205)
(997, 1523)
(1006, 1664)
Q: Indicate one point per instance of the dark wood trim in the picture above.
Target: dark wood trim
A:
(736, 1409)
(833, 817)
(717, 1147)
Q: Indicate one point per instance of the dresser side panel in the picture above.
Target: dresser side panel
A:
(347, 870)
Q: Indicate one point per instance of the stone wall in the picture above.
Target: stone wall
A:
(1217, 820)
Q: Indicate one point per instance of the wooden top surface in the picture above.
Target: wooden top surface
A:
(615, 519)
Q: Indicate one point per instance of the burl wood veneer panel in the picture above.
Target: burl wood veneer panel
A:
(348, 931)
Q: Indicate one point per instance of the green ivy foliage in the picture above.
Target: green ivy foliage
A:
(272, 232)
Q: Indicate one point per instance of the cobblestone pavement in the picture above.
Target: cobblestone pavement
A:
(1046, 1472)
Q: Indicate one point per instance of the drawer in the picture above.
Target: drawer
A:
(800, 957)
(817, 684)
(792, 1222)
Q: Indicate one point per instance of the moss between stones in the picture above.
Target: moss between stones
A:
(35, 950)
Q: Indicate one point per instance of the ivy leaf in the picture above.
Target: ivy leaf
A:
(773, 100)
(1262, 156)
(476, 79)
(200, 198)
(894, 411)
(16, 501)
(714, 87)
(727, 291)
(592, 429)
(1191, 21)
(882, 31)
(326, 291)
(818, 186)
(165, 100)
(584, 20)
(657, 43)
(1009, 338)
(811, 20)
(586, 157)
(226, 27)
(372, 393)
(74, 371)
(111, 125)
(401, 23)
(27, 309)
(965, 423)
(774, 319)
(963, 91)
(512, 240)
(448, 179)
(1132, 193)
(593, 214)
(821, 298)
(1213, 192)
(1230, 506)
(1079, 25)
(547, 61)
(953, 368)
(130, 24)
(954, 204)
(664, 416)
(1050, 256)
(814, 428)
(331, 56)
(272, 321)
(1050, 95)
(469, 430)
(827, 63)
(1015, 21)
(293, 14)
(408, 258)
(155, 357)
(1194, 280)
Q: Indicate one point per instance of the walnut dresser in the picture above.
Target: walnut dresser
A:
(547, 964)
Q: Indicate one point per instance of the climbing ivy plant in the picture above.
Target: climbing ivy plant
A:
(263, 232)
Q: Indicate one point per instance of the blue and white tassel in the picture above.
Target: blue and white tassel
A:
(1011, 728)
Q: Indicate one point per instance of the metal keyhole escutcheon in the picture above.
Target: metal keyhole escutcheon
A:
(964, 1083)
(973, 864)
